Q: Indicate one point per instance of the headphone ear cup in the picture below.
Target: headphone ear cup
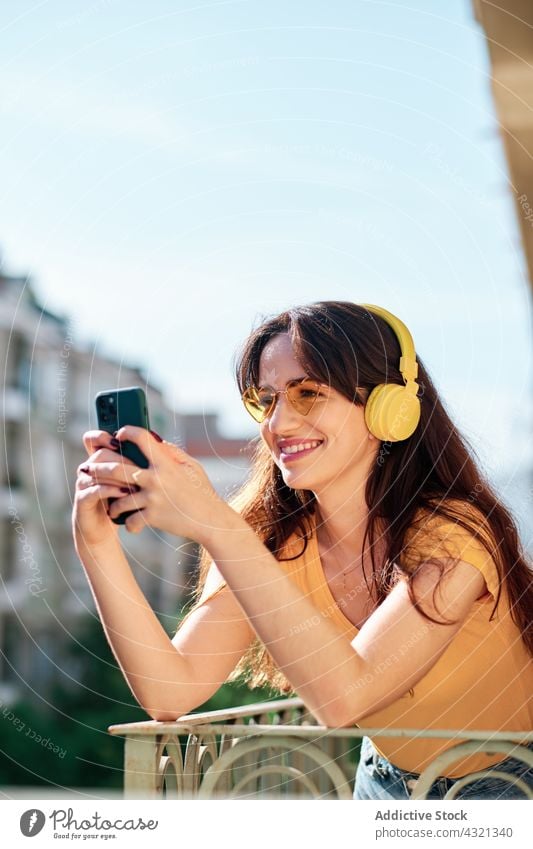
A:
(392, 412)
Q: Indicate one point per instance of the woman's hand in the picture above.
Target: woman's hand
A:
(91, 524)
(175, 493)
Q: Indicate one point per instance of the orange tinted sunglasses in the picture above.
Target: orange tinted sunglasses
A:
(302, 395)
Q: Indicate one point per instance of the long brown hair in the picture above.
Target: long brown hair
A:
(344, 345)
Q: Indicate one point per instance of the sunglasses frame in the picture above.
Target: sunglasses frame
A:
(275, 395)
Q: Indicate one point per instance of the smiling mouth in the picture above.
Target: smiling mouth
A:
(291, 452)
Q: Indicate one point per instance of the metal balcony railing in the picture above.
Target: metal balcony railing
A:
(276, 750)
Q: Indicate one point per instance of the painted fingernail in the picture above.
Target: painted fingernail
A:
(125, 489)
(115, 443)
(156, 436)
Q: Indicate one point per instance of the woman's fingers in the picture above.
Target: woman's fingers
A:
(99, 492)
(126, 502)
(175, 491)
(149, 442)
(136, 522)
(142, 438)
(85, 481)
(104, 455)
(152, 445)
(119, 472)
(94, 439)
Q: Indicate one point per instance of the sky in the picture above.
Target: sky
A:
(172, 172)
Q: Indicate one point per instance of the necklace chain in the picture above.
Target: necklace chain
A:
(351, 566)
(346, 569)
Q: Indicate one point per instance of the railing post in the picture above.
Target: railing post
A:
(141, 770)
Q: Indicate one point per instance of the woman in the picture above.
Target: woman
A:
(366, 565)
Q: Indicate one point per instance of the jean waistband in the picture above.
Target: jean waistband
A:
(381, 763)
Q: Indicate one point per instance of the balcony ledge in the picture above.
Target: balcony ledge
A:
(274, 749)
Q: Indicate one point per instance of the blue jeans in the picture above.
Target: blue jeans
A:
(378, 778)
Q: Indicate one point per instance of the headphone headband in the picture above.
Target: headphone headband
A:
(408, 365)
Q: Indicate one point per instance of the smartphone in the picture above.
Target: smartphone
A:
(116, 408)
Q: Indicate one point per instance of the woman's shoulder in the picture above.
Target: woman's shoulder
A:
(452, 529)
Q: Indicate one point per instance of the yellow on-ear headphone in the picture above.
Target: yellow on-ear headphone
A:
(392, 412)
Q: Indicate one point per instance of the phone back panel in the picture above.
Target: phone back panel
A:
(116, 408)
(124, 407)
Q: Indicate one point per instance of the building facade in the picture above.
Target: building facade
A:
(48, 403)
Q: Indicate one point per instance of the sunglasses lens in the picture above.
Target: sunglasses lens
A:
(255, 405)
(303, 396)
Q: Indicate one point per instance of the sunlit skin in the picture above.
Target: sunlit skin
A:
(337, 471)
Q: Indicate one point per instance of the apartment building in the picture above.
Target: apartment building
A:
(50, 381)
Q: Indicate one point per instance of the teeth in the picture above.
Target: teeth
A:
(294, 449)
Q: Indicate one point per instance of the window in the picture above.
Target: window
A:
(8, 548)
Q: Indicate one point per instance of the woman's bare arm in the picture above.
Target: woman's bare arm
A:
(168, 678)
(339, 680)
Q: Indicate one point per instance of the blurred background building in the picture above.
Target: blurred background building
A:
(48, 402)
